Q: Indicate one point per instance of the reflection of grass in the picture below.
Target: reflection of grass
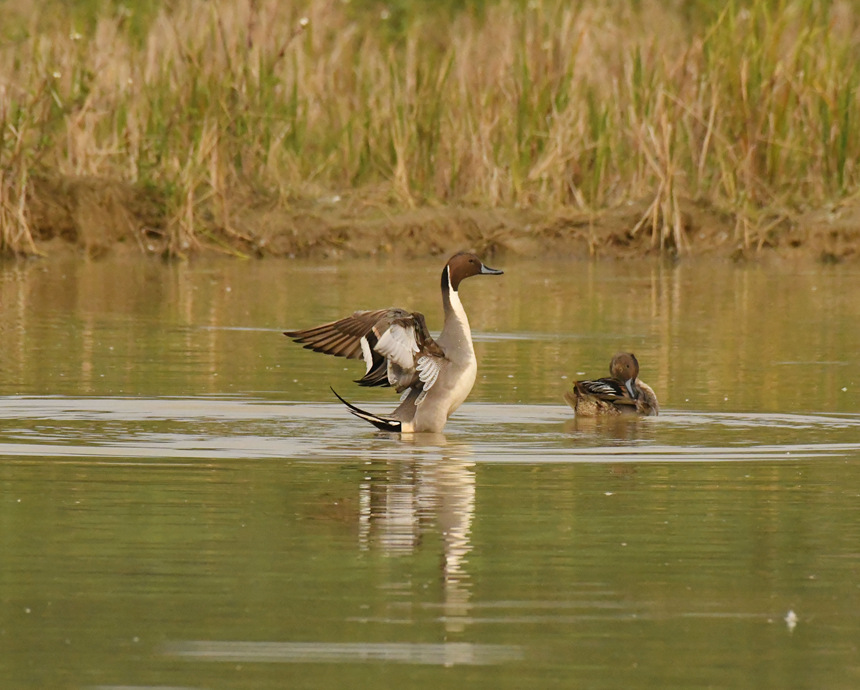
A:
(752, 108)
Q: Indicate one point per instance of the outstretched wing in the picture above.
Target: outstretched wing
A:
(395, 345)
(339, 338)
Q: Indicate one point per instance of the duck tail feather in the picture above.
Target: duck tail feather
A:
(381, 423)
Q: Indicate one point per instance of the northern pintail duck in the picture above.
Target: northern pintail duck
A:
(621, 393)
(433, 376)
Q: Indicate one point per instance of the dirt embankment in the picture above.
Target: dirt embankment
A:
(94, 216)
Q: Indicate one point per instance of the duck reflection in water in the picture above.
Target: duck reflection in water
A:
(433, 490)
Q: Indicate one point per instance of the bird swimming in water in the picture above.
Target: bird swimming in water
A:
(620, 393)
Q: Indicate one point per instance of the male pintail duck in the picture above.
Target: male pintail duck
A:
(621, 393)
(434, 376)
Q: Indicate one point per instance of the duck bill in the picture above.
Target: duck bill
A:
(628, 384)
(486, 270)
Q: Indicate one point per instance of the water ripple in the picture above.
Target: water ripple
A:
(442, 654)
(212, 428)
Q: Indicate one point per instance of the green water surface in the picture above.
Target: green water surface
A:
(183, 504)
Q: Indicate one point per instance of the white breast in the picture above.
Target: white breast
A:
(462, 386)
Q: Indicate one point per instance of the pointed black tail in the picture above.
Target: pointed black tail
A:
(382, 423)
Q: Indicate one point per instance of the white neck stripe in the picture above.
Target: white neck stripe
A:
(457, 306)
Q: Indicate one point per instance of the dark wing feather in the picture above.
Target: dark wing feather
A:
(608, 390)
(340, 338)
(377, 372)
(425, 341)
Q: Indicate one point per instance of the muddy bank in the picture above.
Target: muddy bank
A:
(93, 217)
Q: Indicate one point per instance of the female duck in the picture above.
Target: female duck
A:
(621, 393)
(434, 376)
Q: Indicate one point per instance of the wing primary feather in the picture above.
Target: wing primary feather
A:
(341, 338)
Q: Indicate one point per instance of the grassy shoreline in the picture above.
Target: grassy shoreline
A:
(197, 124)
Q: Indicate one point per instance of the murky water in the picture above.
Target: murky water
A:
(183, 504)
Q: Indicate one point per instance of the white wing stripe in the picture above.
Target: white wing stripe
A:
(366, 354)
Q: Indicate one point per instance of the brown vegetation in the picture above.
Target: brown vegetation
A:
(599, 128)
(93, 216)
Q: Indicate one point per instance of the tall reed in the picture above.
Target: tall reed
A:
(544, 104)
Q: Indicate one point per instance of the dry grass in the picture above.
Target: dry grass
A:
(540, 105)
